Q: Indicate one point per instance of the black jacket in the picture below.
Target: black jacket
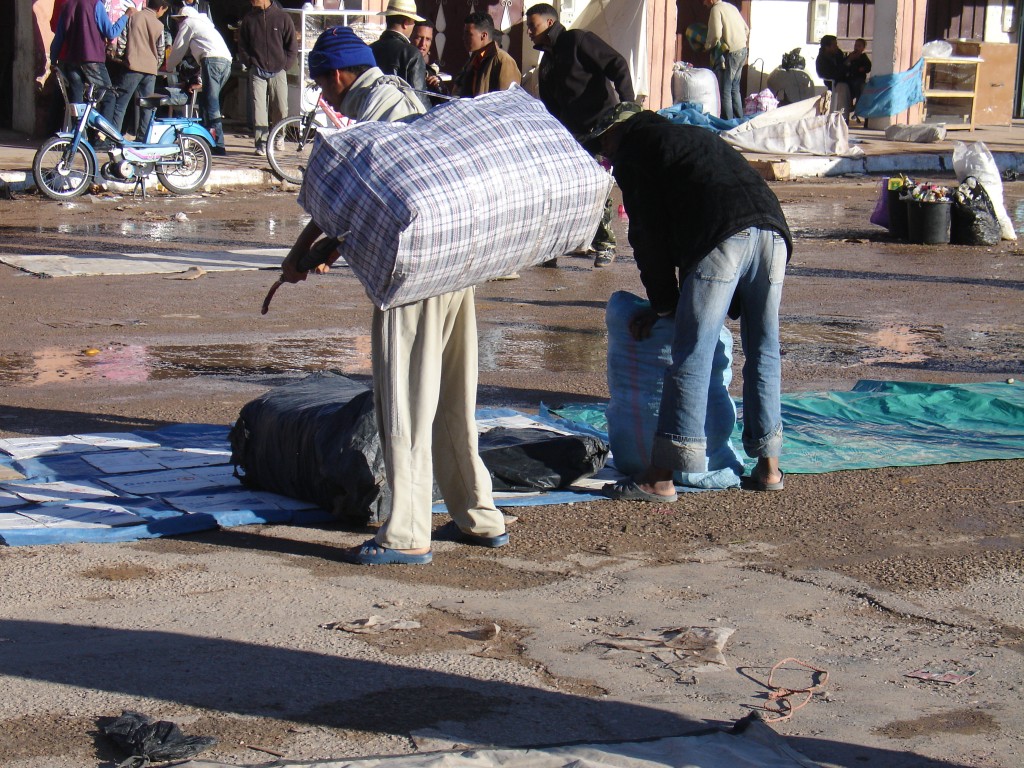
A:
(685, 191)
(395, 55)
(266, 39)
(581, 77)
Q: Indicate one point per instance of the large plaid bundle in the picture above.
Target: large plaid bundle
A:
(475, 189)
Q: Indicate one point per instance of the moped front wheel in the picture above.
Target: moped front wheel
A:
(191, 170)
(60, 174)
(288, 147)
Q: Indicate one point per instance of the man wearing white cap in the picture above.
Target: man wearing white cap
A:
(196, 34)
(394, 53)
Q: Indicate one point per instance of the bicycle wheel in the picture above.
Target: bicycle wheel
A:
(193, 170)
(58, 176)
(288, 147)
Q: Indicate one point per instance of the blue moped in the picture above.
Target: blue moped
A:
(176, 148)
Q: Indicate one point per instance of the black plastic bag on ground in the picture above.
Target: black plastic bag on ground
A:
(974, 219)
(315, 440)
(147, 741)
(531, 459)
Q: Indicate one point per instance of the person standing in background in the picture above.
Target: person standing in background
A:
(267, 46)
(198, 36)
(580, 77)
(488, 68)
(394, 52)
(727, 41)
(79, 48)
(143, 55)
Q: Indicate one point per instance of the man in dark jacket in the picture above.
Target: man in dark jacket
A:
(394, 54)
(79, 48)
(267, 46)
(710, 238)
(580, 77)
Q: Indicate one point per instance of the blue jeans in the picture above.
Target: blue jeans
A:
(751, 266)
(81, 73)
(216, 72)
(134, 84)
(729, 83)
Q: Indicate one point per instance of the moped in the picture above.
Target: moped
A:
(176, 148)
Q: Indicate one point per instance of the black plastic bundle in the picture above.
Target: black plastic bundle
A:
(152, 742)
(316, 440)
(974, 219)
(793, 60)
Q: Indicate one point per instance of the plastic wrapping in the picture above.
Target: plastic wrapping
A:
(974, 218)
(532, 459)
(636, 371)
(976, 160)
(146, 741)
(315, 440)
(697, 86)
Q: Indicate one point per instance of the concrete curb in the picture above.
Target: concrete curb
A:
(788, 169)
(810, 167)
(220, 178)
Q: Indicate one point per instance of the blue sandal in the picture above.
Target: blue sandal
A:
(372, 553)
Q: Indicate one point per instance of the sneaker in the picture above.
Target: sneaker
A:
(279, 144)
(550, 263)
(261, 147)
(604, 258)
(219, 151)
(509, 276)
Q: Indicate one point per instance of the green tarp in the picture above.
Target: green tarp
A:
(885, 424)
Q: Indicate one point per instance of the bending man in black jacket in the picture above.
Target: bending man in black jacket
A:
(710, 238)
(580, 77)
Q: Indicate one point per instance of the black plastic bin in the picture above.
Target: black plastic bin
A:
(897, 214)
(928, 223)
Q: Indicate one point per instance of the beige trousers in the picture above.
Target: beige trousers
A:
(424, 384)
(269, 102)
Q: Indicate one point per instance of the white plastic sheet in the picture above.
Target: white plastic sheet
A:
(802, 128)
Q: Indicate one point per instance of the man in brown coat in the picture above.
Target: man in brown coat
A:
(489, 68)
(143, 56)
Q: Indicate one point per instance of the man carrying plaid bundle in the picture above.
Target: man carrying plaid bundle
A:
(424, 355)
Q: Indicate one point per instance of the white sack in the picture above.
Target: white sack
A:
(799, 128)
(976, 160)
(696, 85)
(475, 189)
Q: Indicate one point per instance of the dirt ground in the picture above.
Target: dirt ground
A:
(867, 574)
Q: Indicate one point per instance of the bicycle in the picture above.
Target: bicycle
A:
(291, 139)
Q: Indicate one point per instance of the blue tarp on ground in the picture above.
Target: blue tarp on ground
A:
(123, 487)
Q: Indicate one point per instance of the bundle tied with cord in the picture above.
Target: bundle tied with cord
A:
(475, 189)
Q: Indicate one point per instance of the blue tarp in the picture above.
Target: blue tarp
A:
(886, 95)
(690, 113)
(186, 484)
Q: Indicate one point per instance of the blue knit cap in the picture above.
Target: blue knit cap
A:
(338, 48)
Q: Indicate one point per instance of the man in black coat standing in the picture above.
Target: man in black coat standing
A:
(580, 78)
(393, 51)
(711, 240)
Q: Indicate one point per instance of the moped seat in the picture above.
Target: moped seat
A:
(154, 101)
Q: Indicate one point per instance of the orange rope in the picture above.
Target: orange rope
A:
(786, 708)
